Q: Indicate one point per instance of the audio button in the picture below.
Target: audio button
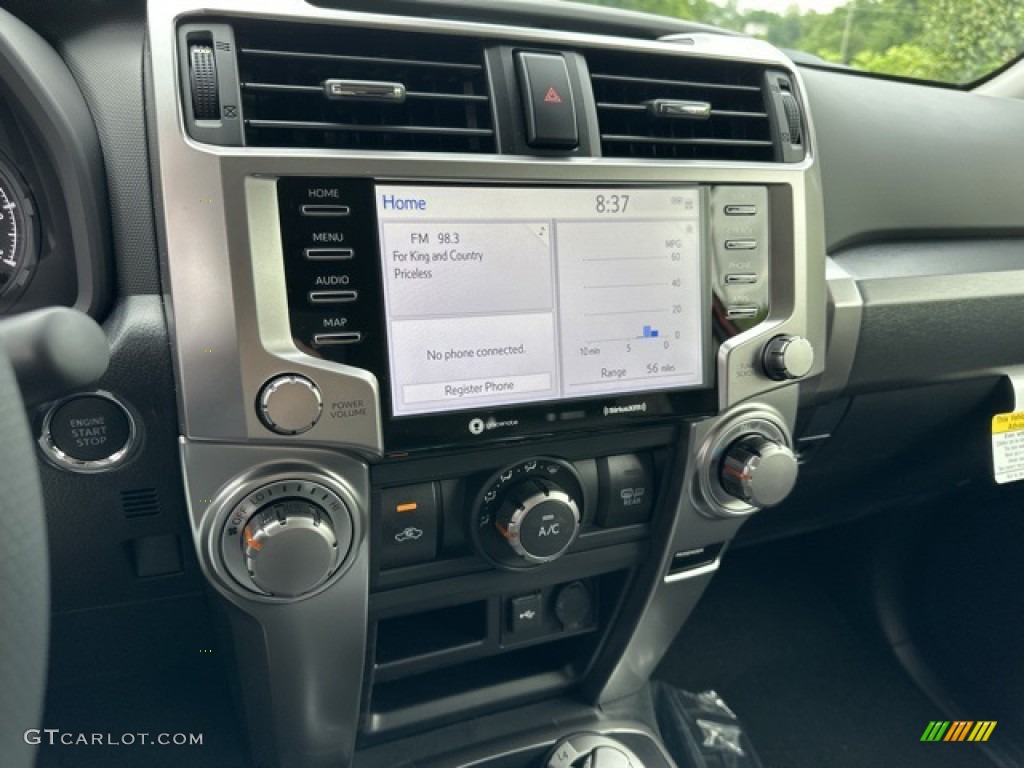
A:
(332, 297)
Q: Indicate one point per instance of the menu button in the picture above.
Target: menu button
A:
(328, 254)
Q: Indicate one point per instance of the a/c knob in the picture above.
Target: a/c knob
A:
(539, 520)
(758, 470)
(788, 357)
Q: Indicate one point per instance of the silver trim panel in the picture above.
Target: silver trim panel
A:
(223, 263)
(223, 267)
(845, 313)
(692, 573)
(301, 659)
(671, 600)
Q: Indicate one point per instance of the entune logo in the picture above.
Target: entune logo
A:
(479, 426)
(611, 410)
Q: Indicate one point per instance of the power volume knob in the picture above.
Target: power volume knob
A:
(290, 405)
(788, 357)
(758, 471)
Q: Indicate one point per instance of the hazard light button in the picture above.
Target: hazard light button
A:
(547, 101)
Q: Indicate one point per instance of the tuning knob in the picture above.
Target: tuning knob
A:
(787, 357)
(758, 470)
(538, 520)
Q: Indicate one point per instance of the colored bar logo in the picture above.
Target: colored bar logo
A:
(959, 730)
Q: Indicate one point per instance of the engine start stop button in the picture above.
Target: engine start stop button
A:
(88, 432)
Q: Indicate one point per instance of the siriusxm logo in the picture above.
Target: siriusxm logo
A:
(634, 408)
(392, 203)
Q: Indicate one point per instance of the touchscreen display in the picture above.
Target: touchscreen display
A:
(503, 295)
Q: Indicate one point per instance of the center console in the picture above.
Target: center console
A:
(487, 340)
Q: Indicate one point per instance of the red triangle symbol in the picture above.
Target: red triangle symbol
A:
(552, 97)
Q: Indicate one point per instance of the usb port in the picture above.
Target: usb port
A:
(740, 210)
(328, 254)
(326, 210)
(741, 245)
(741, 313)
(332, 297)
(334, 339)
(741, 278)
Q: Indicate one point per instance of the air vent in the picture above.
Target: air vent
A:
(339, 87)
(680, 108)
(140, 502)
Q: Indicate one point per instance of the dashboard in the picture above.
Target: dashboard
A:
(479, 332)
(452, 351)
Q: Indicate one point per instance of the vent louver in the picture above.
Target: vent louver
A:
(680, 108)
(139, 502)
(437, 96)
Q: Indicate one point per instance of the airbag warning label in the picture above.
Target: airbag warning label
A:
(1008, 446)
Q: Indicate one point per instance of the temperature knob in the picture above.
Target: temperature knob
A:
(758, 470)
(538, 520)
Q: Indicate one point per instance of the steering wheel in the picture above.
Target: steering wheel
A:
(42, 355)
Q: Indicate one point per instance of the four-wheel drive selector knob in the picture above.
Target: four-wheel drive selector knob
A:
(538, 519)
(286, 539)
(290, 547)
(758, 470)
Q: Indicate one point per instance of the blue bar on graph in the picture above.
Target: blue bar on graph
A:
(654, 334)
(649, 333)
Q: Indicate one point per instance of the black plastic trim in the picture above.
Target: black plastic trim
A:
(571, 17)
(48, 99)
(936, 310)
(905, 161)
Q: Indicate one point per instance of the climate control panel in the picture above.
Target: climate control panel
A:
(521, 516)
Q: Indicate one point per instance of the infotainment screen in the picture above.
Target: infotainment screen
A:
(508, 295)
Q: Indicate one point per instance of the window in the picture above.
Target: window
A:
(951, 41)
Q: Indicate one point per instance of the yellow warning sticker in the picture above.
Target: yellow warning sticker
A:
(1008, 446)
